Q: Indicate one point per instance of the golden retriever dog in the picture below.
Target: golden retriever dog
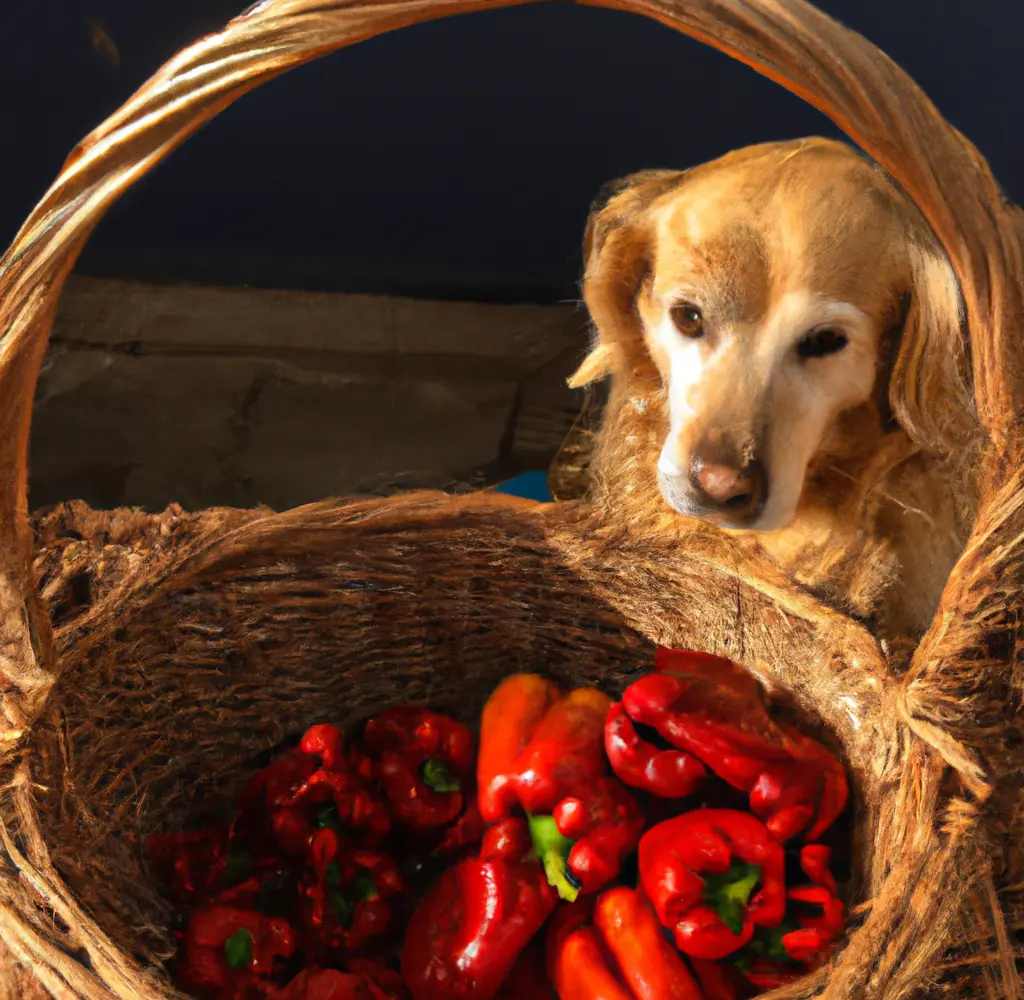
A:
(804, 329)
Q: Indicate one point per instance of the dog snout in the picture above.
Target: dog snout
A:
(729, 489)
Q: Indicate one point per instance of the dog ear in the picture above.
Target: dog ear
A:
(888, 353)
(616, 260)
(930, 389)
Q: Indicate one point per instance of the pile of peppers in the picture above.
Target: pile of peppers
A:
(672, 845)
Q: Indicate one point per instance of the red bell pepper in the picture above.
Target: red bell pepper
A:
(226, 950)
(701, 871)
(670, 773)
(371, 982)
(467, 932)
(717, 981)
(623, 955)
(190, 864)
(528, 978)
(714, 713)
(316, 785)
(543, 753)
(346, 895)
(425, 764)
(466, 831)
(379, 982)
(803, 941)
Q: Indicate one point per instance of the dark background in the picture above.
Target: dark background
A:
(455, 159)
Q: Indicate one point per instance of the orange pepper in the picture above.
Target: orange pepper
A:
(622, 955)
(512, 713)
(542, 753)
(652, 968)
(581, 971)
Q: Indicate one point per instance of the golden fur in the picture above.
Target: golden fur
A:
(774, 243)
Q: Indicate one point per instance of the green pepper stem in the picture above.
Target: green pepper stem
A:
(767, 942)
(438, 778)
(344, 900)
(553, 850)
(730, 892)
(238, 949)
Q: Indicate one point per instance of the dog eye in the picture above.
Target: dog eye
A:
(688, 320)
(821, 343)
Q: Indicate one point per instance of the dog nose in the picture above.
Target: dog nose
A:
(738, 493)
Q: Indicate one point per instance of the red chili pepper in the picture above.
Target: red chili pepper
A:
(803, 940)
(649, 965)
(467, 932)
(714, 713)
(567, 918)
(623, 956)
(190, 864)
(543, 753)
(582, 972)
(346, 895)
(226, 949)
(700, 871)
(817, 933)
(425, 763)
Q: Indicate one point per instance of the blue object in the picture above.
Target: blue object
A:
(530, 486)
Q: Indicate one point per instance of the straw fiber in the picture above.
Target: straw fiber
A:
(145, 659)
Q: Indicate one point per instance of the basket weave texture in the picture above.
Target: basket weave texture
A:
(144, 659)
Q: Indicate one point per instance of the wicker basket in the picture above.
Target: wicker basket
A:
(146, 657)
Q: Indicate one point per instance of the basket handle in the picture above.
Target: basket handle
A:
(832, 68)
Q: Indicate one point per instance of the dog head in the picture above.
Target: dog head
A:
(772, 292)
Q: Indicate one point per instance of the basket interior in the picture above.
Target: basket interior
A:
(183, 689)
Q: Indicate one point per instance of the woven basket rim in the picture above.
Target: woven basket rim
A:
(873, 101)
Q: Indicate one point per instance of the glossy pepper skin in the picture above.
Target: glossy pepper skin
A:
(622, 953)
(542, 752)
(316, 784)
(228, 950)
(713, 713)
(346, 896)
(701, 869)
(424, 763)
(467, 932)
(819, 931)
(672, 774)
(814, 921)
